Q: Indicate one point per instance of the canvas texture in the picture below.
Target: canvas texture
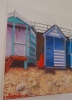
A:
(38, 58)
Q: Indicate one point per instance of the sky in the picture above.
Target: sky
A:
(38, 16)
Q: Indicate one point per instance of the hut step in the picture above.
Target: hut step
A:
(8, 63)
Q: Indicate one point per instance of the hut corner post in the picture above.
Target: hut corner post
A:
(26, 62)
(13, 31)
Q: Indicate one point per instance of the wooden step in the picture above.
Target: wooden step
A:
(9, 60)
(8, 63)
(20, 58)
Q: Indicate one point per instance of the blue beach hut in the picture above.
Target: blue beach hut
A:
(54, 48)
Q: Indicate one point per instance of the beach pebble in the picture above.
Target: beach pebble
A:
(21, 87)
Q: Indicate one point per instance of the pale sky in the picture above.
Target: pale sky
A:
(40, 16)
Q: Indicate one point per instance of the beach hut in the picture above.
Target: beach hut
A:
(54, 48)
(69, 52)
(20, 40)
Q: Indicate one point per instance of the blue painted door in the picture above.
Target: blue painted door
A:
(49, 51)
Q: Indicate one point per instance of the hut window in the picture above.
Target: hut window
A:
(59, 44)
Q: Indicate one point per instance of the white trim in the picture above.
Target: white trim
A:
(21, 43)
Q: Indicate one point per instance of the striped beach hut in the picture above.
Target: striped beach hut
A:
(54, 48)
(20, 40)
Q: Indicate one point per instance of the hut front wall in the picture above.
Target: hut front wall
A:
(9, 42)
(55, 52)
(19, 42)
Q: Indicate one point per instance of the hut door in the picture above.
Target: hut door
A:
(49, 52)
(20, 40)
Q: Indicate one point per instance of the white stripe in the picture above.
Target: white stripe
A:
(58, 65)
(59, 54)
(58, 57)
(59, 62)
(62, 51)
(56, 34)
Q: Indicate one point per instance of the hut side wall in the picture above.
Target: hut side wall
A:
(69, 53)
(32, 51)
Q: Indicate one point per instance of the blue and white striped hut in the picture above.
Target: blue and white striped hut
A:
(54, 48)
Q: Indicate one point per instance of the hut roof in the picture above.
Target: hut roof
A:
(16, 14)
(52, 28)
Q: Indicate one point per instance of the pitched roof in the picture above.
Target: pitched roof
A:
(52, 28)
(16, 14)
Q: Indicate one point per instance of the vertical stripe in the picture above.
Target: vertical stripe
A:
(13, 32)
